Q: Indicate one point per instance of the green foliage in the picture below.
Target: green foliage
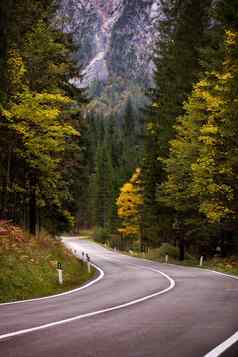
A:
(111, 164)
(169, 249)
(151, 175)
(72, 165)
(15, 70)
(188, 170)
(181, 34)
(28, 268)
(101, 235)
(215, 167)
(103, 188)
(38, 124)
(201, 180)
(48, 58)
(227, 265)
(58, 221)
(201, 164)
(35, 120)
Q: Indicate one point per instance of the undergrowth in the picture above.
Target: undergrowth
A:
(28, 268)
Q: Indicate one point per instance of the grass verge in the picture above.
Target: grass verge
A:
(223, 265)
(86, 233)
(28, 268)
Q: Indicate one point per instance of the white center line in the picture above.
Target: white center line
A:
(94, 313)
(217, 351)
(101, 275)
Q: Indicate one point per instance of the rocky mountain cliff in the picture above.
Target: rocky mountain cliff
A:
(115, 39)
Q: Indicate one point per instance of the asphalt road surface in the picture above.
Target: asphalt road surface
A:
(133, 310)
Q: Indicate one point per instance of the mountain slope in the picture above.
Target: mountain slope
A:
(115, 40)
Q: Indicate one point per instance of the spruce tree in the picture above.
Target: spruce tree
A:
(103, 188)
(36, 66)
(181, 33)
(201, 168)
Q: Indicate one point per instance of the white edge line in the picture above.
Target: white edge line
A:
(217, 351)
(220, 273)
(101, 275)
(224, 346)
(186, 266)
(94, 313)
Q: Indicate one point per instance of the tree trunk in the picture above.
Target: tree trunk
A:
(181, 249)
(32, 206)
(226, 236)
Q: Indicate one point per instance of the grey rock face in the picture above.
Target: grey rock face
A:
(115, 37)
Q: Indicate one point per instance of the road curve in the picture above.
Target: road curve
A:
(109, 318)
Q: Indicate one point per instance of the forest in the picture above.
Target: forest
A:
(161, 172)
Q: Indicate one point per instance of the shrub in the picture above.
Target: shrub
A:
(101, 235)
(154, 253)
(169, 249)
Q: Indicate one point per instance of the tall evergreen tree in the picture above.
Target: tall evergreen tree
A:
(182, 32)
(36, 66)
(129, 141)
(201, 168)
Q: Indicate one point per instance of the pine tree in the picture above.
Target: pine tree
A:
(36, 66)
(202, 167)
(129, 141)
(150, 174)
(181, 34)
(103, 188)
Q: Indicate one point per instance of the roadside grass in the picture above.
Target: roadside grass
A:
(87, 233)
(224, 265)
(28, 268)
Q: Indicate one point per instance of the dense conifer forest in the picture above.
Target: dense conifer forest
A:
(161, 172)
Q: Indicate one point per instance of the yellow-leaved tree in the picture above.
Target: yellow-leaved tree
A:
(129, 205)
(202, 172)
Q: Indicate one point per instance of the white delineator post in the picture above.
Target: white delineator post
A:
(60, 273)
(88, 263)
(201, 261)
(166, 259)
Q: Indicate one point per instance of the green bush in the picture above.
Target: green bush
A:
(169, 249)
(172, 251)
(101, 235)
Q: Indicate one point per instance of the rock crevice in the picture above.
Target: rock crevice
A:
(115, 37)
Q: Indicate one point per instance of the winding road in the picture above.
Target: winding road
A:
(134, 308)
